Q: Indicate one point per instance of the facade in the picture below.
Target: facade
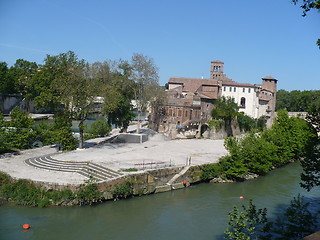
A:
(191, 100)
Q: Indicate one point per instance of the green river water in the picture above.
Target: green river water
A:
(198, 212)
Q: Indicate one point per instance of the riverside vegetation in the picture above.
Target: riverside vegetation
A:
(260, 152)
(25, 192)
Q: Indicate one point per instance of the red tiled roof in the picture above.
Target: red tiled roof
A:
(235, 84)
(197, 85)
(192, 84)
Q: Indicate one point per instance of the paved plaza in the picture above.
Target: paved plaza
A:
(157, 152)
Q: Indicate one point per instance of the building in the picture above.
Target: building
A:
(191, 100)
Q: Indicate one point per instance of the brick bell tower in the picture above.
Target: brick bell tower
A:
(216, 70)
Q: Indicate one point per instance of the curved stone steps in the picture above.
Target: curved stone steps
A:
(86, 169)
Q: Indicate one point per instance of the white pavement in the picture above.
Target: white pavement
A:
(155, 153)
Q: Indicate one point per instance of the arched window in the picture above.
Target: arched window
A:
(243, 102)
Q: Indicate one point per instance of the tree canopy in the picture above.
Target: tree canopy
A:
(296, 101)
(146, 78)
(226, 109)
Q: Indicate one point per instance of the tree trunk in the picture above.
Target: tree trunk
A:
(138, 125)
(229, 128)
(81, 134)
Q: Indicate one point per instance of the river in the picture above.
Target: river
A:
(198, 212)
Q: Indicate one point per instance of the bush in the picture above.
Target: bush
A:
(88, 193)
(246, 123)
(122, 190)
(210, 171)
(100, 128)
(258, 153)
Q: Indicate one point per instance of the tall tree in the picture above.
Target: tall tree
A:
(115, 90)
(65, 81)
(7, 83)
(311, 163)
(225, 109)
(22, 71)
(146, 78)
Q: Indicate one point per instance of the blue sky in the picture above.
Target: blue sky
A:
(255, 38)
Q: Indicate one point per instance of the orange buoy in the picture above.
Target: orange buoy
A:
(25, 226)
(241, 197)
(184, 182)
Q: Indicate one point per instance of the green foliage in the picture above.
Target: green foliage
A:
(252, 223)
(7, 84)
(122, 190)
(215, 123)
(44, 132)
(261, 123)
(17, 133)
(130, 170)
(25, 192)
(296, 101)
(291, 135)
(100, 128)
(210, 171)
(246, 123)
(64, 137)
(258, 153)
(310, 163)
(22, 192)
(123, 114)
(88, 193)
(296, 222)
(225, 109)
(146, 79)
(62, 133)
(293, 223)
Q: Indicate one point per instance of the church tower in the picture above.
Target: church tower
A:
(216, 71)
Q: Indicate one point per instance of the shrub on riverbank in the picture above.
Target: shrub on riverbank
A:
(259, 153)
(25, 192)
(122, 190)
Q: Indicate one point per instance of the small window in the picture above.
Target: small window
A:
(224, 88)
(249, 90)
(230, 89)
(243, 90)
(179, 113)
(243, 102)
(234, 89)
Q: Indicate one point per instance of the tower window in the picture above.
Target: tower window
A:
(216, 68)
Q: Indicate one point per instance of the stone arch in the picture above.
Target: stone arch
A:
(203, 129)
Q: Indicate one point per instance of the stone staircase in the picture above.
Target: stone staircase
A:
(175, 177)
(90, 170)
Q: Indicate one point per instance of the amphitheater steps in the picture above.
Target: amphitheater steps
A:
(90, 170)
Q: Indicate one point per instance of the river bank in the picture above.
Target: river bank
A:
(153, 166)
(197, 212)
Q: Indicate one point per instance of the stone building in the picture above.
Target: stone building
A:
(191, 100)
